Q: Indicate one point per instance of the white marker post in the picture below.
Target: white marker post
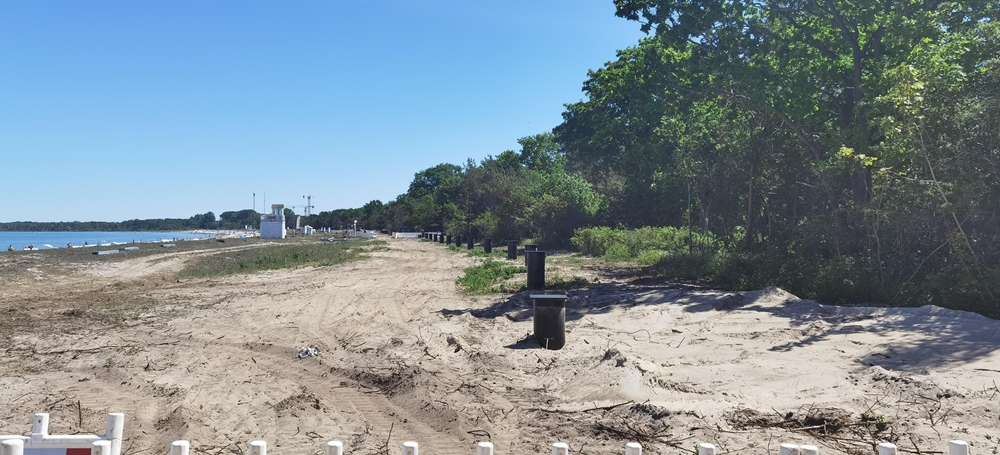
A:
(258, 447)
(633, 448)
(101, 448)
(887, 448)
(958, 448)
(12, 447)
(809, 450)
(706, 449)
(333, 448)
(114, 430)
(40, 426)
(484, 448)
(789, 449)
(411, 448)
(560, 448)
(180, 447)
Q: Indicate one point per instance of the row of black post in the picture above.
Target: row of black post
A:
(534, 259)
(549, 309)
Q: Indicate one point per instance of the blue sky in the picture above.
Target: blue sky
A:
(116, 110)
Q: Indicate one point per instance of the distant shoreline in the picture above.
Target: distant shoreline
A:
(29, 241)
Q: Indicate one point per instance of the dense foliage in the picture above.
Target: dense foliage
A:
(825, 142)
(844, 150)
(517, 194)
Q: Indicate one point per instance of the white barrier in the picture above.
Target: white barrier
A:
(109, 443)
(559, 448)
(12, 447)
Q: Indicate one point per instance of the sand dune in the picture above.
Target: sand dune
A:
(405, 356)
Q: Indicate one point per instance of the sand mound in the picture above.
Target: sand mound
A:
(404, 356)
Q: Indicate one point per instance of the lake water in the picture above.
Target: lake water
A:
(49, 239)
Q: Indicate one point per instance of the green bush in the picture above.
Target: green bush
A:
(635, 244)
(482, 279)
(665, 252)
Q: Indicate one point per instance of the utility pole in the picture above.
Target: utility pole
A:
(309, 205)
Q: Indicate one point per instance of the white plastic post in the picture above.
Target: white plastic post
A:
(788, 449)
(560, 448)
(12, 447)
(809, 450)
(40, 426)
(332, 448)
(411, 448)
(180, 447)
(958, 448)
(633, 448)
(258, 447)
(484, 448)
(706, 449)
(101, 448)
(887, 448)
(114, 430)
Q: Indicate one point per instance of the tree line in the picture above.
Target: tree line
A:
(846, 145)
(208, 220)
(846, 151)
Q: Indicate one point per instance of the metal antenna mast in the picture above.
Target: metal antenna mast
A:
(309, 205)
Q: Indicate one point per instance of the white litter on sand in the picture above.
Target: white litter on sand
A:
(308, 351)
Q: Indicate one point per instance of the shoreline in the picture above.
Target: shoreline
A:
(49, 244)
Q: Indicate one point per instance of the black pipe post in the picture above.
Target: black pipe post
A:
(528, 248)
(458, 240)
(512, 249)
(448, 240)
(536, 269)
(488, 245)
(550, 320)
(441, 238)
(470, 242)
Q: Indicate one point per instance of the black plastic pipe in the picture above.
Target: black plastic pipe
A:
(528, 248)
(550, 320)
(536, 269)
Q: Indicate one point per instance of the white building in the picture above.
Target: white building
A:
(272, 226)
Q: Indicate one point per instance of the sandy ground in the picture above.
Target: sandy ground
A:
(405, 356)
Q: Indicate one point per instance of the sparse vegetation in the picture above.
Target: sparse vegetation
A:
(486, 277)
(306, 252)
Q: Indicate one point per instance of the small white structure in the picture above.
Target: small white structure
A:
(308, 230)
(39, 441)
(272, 226)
